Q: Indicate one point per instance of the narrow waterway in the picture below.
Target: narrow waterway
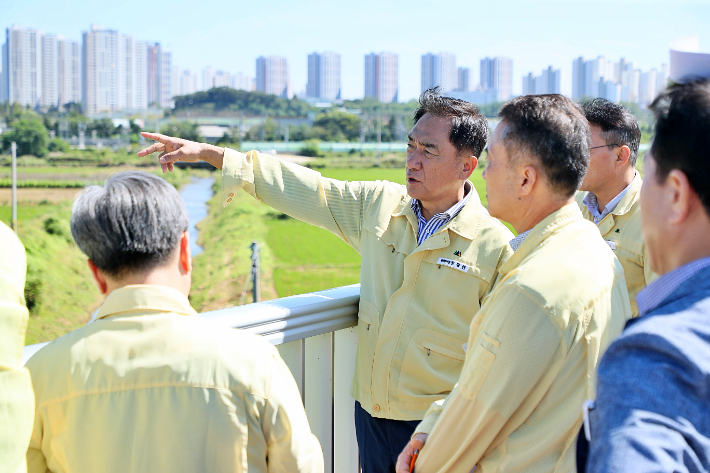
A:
(196, 194)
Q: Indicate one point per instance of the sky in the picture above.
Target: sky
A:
(230, 34)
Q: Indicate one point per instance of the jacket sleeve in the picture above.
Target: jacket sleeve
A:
(291, 445)
(16, 396)
(337, 206)
(648, 396)
(516, 354)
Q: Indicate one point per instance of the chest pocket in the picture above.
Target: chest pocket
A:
(453, 294)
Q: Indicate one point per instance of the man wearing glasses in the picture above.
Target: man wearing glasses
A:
(613, 185)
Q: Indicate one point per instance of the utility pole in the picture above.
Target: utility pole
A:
(14, 185)
(255, 262)
(379, 138)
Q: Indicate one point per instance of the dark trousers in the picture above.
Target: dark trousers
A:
(380, 441)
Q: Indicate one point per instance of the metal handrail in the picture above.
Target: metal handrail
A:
(282, 320)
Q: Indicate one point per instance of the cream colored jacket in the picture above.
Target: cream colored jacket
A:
(151, 387)
(415, 310)
(532, 355)
(622, 229)
(16, 398)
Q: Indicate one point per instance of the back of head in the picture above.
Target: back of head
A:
(130, 225)
(682, 136)
(469, 129)
(619, 126)
(553, 130)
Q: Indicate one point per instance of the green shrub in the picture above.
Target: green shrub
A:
(58, 145)
(311, 148)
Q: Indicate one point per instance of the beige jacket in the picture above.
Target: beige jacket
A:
(622, 230)
(151, 387)
(532, 356)
(16, 398)
(416, 303)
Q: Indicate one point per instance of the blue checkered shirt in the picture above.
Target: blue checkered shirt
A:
(656, 292)
(427, 229)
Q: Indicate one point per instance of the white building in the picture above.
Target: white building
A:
(242, 82)
(272, 76)
(207, 78)
(549, 82)
(497, 74)
(464, 82)
(382, 76)
(50, 71)
(22, 66)
(160, 76)
(68, 71)
(222, 79)
(324, 76)
(99, 71)
(185, 82)
(439, 70)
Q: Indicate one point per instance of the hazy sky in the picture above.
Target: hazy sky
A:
(230, 35)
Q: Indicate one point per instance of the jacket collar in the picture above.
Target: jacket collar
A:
(467, 223)
(540, 232)
(630, 198)
(145, 298)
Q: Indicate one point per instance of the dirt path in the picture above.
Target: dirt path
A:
(34, 195)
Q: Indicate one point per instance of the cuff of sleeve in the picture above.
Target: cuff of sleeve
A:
(427, 425)
(237, 170)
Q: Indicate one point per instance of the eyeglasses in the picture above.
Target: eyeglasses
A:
(602, 146)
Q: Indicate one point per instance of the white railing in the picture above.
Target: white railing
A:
(317, 338)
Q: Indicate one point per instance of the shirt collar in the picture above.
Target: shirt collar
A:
(145, 298)
(590, 201)
(518, 240)
(659, 290)
(450, 213)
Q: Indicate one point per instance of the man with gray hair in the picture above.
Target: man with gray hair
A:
(150, 386)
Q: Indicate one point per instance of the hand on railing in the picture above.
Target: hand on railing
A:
(404, 461)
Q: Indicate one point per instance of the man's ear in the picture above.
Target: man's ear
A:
(682, 195)
(185, 260)
(527, 178)
(469, 165)
(98, 277)
(622, 156)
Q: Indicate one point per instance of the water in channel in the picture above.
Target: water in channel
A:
(196, 194)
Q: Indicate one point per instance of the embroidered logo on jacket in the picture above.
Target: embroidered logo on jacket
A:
(457, 253)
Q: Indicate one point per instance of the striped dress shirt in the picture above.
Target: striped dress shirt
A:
(427, 229)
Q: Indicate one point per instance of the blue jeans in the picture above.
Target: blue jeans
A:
(380, 441)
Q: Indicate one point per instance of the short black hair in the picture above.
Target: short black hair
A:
(619, 126)
(553, 129)
(682, 135)
(469, 129)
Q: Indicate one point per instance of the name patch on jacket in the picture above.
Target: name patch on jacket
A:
(453, 264)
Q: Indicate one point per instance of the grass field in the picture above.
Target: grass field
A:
(295, 257)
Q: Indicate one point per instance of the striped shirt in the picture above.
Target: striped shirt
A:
(427, 229)
(656, 292)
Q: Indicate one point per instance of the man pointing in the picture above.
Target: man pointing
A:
(430, 253)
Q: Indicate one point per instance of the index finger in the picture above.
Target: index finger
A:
(156, 137)
(151, 149)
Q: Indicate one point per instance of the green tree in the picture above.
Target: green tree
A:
(339, 126)
(104, 128)
(30, 135)
(182, 129)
